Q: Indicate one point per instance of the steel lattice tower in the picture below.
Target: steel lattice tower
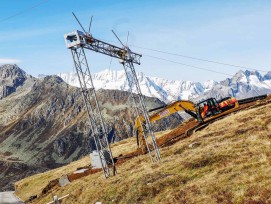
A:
(77, 41)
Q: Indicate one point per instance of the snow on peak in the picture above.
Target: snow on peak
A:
(267, 76)
(163, 89)
(242, 84)
(209, 84)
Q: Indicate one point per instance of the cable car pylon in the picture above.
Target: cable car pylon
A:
(78, 41)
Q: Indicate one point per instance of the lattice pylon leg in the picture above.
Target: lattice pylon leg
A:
(96, 121)
(138, 98)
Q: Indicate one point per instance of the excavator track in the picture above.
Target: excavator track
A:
(248, 100)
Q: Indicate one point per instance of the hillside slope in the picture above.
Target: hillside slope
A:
(227, 162)
(43, 123)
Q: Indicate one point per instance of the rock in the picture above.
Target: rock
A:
(194, 145)
(64, 180)
(11, 77)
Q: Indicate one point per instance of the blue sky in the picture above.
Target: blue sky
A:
(234, 32)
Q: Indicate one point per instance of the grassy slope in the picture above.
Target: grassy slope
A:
(228, 163)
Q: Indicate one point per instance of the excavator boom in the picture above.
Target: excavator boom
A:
(173, 108)
(204, 111)
(169, 109)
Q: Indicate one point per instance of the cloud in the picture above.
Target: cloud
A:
(9, 61)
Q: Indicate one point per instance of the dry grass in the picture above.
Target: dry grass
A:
(40, 181)
(128, 145)
(229, 163)
(34, 184)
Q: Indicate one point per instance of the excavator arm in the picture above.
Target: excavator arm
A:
(214, 110)
(169, 109)
(174, 107)
(182, 105)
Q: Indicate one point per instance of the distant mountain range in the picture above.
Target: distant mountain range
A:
(243, 84)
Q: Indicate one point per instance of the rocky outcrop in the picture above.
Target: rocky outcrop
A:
(11, 78)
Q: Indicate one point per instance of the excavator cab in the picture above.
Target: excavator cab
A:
(208, 108)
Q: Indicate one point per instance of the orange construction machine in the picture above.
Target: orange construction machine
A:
(204, 111)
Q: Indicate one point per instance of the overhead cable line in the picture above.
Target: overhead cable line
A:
(24, 11)
(199, 59)
(187, 65)
(196, 67)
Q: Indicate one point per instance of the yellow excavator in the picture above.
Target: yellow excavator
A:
(203, 112)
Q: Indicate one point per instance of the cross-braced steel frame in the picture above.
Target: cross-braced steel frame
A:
(96, 121)
(78, 40)
(140, 106)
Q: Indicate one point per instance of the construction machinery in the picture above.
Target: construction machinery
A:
(203, 112)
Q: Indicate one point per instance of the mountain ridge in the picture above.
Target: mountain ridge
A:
(242, 84)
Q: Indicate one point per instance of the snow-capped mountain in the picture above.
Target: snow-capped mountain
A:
(209, 84)
(164, 89)
(41, 76)
(243, 84)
